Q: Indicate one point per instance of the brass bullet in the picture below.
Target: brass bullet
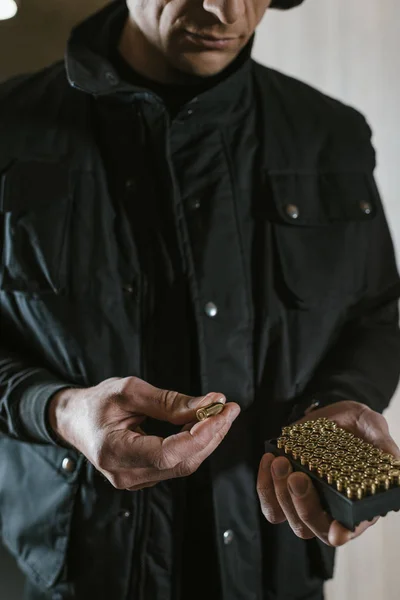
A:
(305, 457)
(374, 451)
(360, 466)
(346, 470)
(342, 483)
(289, 447)
(356, 478)
(369, 486)
(340, 453)
(383, 481)
(337, 464)
(205, 412)
(296, 452)
(394, 476)
(395, 463)
(306, 427)
(385, 457)
(332, 475)
(310, 447)
(286, 431)
(363, 456)
(342, 444)
(384, 467)
(319, 452)
(302, 439)
(281, 442)
(314, 463)
(354, 491)
(329, 457)
(331, 425)
(332, 448)
(371, 472)
(323, 469)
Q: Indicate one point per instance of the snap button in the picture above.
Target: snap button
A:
(211, 309)
(125, 514)
(68, 465)
(366, 207)
(111, 77)
(228, 537)
(292, 211)
(194, 204)
(128, 288)
(130, 185)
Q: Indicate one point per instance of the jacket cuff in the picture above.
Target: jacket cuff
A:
(33, 422)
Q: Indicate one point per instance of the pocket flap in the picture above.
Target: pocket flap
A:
(23, 178)
(319, 199)
(37, 499)
(320, 241)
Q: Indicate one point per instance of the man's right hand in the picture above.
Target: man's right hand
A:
(101, 422)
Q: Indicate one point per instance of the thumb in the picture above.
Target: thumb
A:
(167, 405)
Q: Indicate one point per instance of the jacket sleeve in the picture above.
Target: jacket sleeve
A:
(25, 386)
(364, 363)
(25, 392)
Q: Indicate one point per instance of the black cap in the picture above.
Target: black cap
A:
(285, 4)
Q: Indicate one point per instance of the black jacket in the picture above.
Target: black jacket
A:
(257, 197)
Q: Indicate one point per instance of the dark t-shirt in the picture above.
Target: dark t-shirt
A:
(174, 96)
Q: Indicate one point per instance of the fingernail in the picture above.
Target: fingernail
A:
(281, 468)
(267, 461)
(298, 486)
(205, 400)
(234, 413)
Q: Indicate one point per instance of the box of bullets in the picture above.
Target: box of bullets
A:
(355, 480)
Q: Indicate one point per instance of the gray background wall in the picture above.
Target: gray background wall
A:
(349, 49)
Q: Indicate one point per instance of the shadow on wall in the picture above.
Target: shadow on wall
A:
(11, 579)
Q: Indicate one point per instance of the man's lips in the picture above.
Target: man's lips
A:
(210, 41)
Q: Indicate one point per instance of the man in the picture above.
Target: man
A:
(181, 225)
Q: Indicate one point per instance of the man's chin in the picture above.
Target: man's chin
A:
(207, 65)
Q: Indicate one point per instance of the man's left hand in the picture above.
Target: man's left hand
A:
(288, 496)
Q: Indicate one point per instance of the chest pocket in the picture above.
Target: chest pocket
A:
(35, 218)
(319, 230)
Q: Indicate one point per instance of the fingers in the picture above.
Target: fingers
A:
(339, 535)
(373, 428)
(138, 396)
(131, 460)
(308, 507)
(141, 486)
(279, 503)
(285, 495)
(266, 492)
(281, 469)
(184, 452)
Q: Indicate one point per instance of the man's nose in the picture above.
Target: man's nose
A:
(227, 11)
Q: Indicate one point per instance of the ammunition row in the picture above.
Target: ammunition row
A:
(355, 467)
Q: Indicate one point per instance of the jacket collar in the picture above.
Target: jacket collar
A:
(90, 70)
